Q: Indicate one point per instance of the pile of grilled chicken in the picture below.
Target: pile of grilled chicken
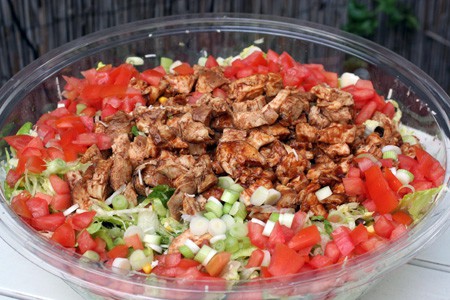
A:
(260, 134)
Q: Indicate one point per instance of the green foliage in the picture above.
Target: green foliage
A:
(363, 21)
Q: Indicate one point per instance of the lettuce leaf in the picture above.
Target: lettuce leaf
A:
(418, 203)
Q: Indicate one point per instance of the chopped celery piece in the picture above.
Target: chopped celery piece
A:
(229, 196)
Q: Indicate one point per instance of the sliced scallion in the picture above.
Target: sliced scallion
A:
(217, 227)
(229, 196)
(231, 244)
(274, 217)
(119, 202)
(227, 207)
(323, 193)
(390, 155)
(152, 239)
(238, 210)
(159, 208)
(272, 197)
(199, 225)
(236, 187)
(229, 220)
(394, 148)
(215, 206)
(191, 245)
(270, 225)
(404, 176)
(225, 182)
(219, 245)
(266, 259)
(186, 251)
(286, 219)
(259, 196)
(205, 254)
(258, 221)
(209, 215)
(239, 230)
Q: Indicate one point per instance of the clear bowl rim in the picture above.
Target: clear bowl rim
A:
(51, 61)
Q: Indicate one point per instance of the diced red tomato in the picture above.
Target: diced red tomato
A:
(402, 217)
(383, 227)
(276, 236)
(380, 192)
(152, 77)
(398, 231)
(134, 241)
(332, 251)
(285, 261)
(359, 234)
(255, 259)
(85, 242)
(244, 72)
(341, 237)
(354, 172)
(38, 207)
(18, 142)
(354, 186)
(211, 62)
(364, 84)
(429, 166)
(389, 110)
(59, 185)
(19, 204)
(299, 221)
(392, 180)
(61, 202)
(272, 56)
(364, 163)
(286, 61)
(35, 164)
(306, 237)
(48, 222)
(187, 263)
(184, 69)
(64, 235)
(46, 197)
(366, 112)
(371, 244)
(82, 220)
(218, 263)
(256, 236)
(406, 162)
(421, 185)
(118, 251)
(320, 261)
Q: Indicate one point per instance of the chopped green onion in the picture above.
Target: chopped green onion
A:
(370, 126)
(138, 260)
(119, 241)
(156, 248)
(391, 154)
(205, 254)
(135, 130)
(231, 244)
(166, 63)
(238, 210)
(202, 61)
(159, 208)
(410, 139)
(238, 220)
(286, 219)
(404, 176)
(134, 60)
(238, 230)
(229, 196)
(236, 187)
(246, 242)
(210, 215)
(272, 197)
(394, 148)
(274, 217)
(229, 220)
(199, 225)
(227, 207)
(259, 196)
(258, 221)
(119, 202)
(215, 206)
(225, 182)
(219, 246)
(186, 251)
(217, 226)
(91, 255)
(191, 245)
(328, 227)
(80, 108)
(270, 225)
(217, 238)
(323, 193)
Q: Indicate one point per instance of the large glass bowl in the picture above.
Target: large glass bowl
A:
(424, 104)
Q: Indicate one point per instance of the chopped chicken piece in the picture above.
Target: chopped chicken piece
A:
(142, 148)
(121, 171)
(209, 79)
(258, 139)
(98, 187)
(248, 87)
(180, 83)
(237, 154)
(337, 133)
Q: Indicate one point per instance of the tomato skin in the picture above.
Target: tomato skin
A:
(85, 242)
(276, 236)
(64, 235)
(19, 205)
(38, 207)
(13, 176)
(354, 186)
(255, 259)
(83, 220)
(152, 77)
(256, 236)
(380, 192)
(389, 110)
(118, 251)
(359, 234)
(306, 237)
(285, 261)
(398, 231)
(402, 217)
(383, 227)
(48, 222)
(134, 241)
(218, 263)
(341, 237)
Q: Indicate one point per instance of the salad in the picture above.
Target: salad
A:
(247, 167)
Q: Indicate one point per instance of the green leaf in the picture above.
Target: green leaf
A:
(328, 227)
(134, 130)
(25, 129)
(161, 192)
(419, 202)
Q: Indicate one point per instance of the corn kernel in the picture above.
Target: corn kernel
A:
(147, 268)
(163, 100)
(370, 229)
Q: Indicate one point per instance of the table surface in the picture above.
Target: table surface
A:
(425, 277)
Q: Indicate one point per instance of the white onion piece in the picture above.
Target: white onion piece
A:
(120, 265)
(258, 221)
(71, 209)
(192, 246)
(209, 257)
(348, 79)
(286, 219)
(199, 225)
(259, 196)
(132, 230)
(270, 225)
(272, 197)
(174, 65)
(156, 248)
(266, 259)
(391, 148)
(217, 238)
(323, 193)
(217, 226)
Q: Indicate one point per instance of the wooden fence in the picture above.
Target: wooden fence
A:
(29, 28)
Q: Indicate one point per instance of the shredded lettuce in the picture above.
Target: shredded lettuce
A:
(161, 192)
(418, 203)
